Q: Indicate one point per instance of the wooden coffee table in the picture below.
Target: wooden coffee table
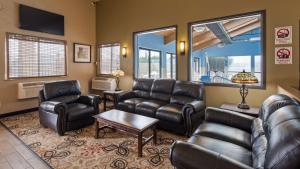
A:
(127, 122)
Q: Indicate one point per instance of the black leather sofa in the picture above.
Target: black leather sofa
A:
(229, 140)
(62, 108)
(178, 105)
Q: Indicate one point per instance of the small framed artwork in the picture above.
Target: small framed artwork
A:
(82, 53)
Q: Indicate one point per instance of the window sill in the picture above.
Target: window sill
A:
(261, 87)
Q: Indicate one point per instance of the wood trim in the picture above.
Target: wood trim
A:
(18, 112)
(263, 48)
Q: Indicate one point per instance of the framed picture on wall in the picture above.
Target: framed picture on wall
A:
(82, 53)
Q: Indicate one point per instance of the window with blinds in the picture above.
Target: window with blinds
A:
(30, 56)
(109, 57)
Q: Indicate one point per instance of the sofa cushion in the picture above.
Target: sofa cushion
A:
(78, 111)
(256, 129)
(142, 88)
(149, 107)
(233, 151)
(282, 115)
(171, 113)
(225, 133)
(61, 88)
(129, 104)
(185, 92)
(259, 148)
(283, 144)
(162, 89)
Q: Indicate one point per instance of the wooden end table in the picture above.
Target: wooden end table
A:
(113, 94)
(253, 111)
(133, 124)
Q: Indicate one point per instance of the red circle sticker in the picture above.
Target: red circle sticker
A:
(283, 33)
(283, 53)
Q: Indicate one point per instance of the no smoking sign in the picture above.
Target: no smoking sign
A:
(283, 35)
(283, 55)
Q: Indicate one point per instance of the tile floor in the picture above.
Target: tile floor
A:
(14, 155)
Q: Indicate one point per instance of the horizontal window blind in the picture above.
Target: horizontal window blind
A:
(30, 56)
(109, 57)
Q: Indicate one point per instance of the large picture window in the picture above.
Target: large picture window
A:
(30, 56)
(109, 58)
(149, 64)
(220, 48)
(154, 54)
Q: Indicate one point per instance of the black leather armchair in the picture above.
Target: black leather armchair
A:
(62, 108)
(230, 140)
(178, 105)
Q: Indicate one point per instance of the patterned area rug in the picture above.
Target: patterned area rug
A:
(79, 150)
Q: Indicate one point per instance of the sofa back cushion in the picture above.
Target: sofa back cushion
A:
(55, 90)
(142, 88)
(283, 114)
(185, 92)
(273, 103)
(283, 139)
(162, 89)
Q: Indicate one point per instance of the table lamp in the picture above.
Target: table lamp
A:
(117, 74)
(244, 78)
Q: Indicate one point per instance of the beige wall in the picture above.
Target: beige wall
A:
(117, 19)
(80, 27)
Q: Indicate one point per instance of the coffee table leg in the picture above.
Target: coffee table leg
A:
(96, 129)
(140, 144)
(154, 135)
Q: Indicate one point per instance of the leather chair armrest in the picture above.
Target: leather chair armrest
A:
(185, 155)
(231, 118)
(195, 106)
(53, 107)
(91, 100)
(193, 115)
(125, 95)
(57, 108)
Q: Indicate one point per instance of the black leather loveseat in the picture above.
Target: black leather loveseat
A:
(229, 140)
(63, 108)
(178, 105)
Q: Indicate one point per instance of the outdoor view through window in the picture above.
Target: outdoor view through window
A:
(222, 48)
(155, 54)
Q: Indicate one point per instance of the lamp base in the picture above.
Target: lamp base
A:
(243, 106)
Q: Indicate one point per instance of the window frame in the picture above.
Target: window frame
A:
(173, 55)
(98, 71)
(136, 49)
(160, 60)
(263, 48)
(7, 77)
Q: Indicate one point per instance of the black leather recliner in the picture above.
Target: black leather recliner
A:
(62, 108)
(178, 105)
(230, 140)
